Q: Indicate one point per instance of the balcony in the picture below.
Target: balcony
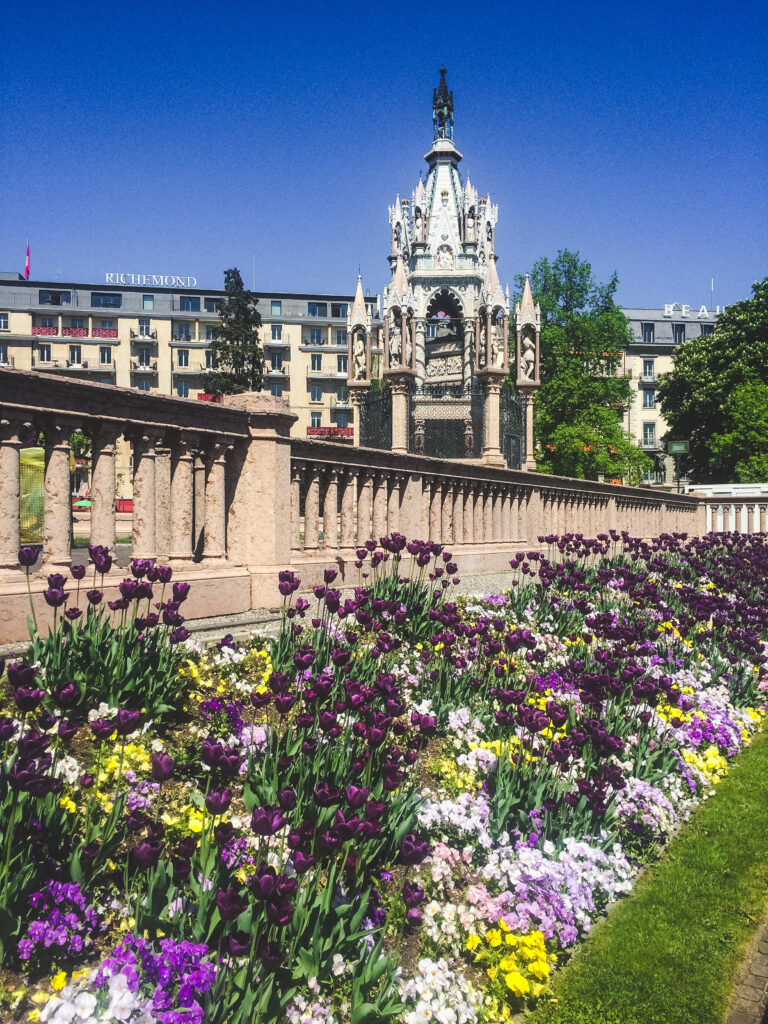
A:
(7, 361)
(277, 371)
(341, 403)
(182, 337)
(141, 335)
(332, 433)
(104, 332)
(74, 332)
(276, 343)
(189, 368)
(648, 378)
(137, 367)
(47, 332)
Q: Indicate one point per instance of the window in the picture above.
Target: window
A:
(211, 305)
(182, 357)
(341, 337)
(277, 307)
(182, 331)
(106, 299)
(316, 392)
(3, 353)
(338, 309)
(145, 384)
(678, 333)
(341, 364)
(315, 336)
(143, 356)
(43, 353)
(316, 362)
(47, 298)
(315, 419)
(149, 301)
(431, 331)
(277, 389)
(105, 355)
(705, 328)
(342, 420)
(318, 308)
(649, 435)
(75, 355)
(182, 388)
(610, 367)
(647, 334)
(277, 332)
(276, 361)
(210, 360)
(47, 321)
(649, 372)
(649, 398)
(210, 333)
(3, 321)
(189, 303)
(143, 327)
(77, 322)
(341, 394)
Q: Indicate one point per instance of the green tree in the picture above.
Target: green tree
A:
(579, 406)
(236, 348)
(712, 395)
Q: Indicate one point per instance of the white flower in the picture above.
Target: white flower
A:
(122, 1004)
(64, 1014)
(85, 1004)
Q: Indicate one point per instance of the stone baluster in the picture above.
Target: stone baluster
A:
(10, 493)
(198, 470)
(506, 515)
(760, 524)
(163, 502)
(479, 514)
(182, 501)
(364, 502)
(469, 513)
(312, 508)
(393, 505)
(435, 511)
(349, 487)
(297, 471)
(458, 513)
(57, 514)
(488, 514)
(214, 548)
(331, 511)
(103, 484)
(380, 501)
(446, 525)
(498, 534)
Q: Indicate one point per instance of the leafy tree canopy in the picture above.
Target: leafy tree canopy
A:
(236, 347)
(715, 395)
(579, 406)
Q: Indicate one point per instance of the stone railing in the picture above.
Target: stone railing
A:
(341, 497)
(745, 513)
(224, 495)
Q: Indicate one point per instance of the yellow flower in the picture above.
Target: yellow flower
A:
(58, 981)
(509, 963)
(539, 969)
(68, 804)
(494, 937)
(40, 997)
(503, 925)
(519, 985)
(473, 942)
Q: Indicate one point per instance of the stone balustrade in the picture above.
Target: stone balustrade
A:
(223, 494)
(746, 514)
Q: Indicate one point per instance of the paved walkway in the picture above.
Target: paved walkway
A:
(750, 1001)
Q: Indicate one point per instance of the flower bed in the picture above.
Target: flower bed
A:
(406, 806)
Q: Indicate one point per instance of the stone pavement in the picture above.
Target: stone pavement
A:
(750, 1000)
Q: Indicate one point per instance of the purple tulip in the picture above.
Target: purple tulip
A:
(162, 767)
(141, 566)
(302, 862)
(266, 821)
(146, 854)
(119, 605)
(180, 592)
(217, 801)
(284, 702)
(78, 571)
(127, 589)
(73, 614)
(263, 882)
(94, 596)
(67, 696)
(271, 955)
(239, 944)
(27, 698)
(413, 850)
(28, 556)
(231, 905)
(127, 721)
(280, 911)
(327, 795)
(54, 597)
(102, 728)
(357, 796)
(178, 636)
(413, 894)
(287, 799)
(329, 576)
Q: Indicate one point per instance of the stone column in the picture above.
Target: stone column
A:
(506, 516)
(163, 502)
(57, 516)
(488, 514)
(458, 513)
(399, 418)
(103, 484)
(144, 516)
(435, 511)
(182, 501)
(497, 527)
(364, 502)
(762, 520)
(469, 513)
(380, 498)
(296, 474)
(356, 396)
(198, 535)
(214, 548)
(10, 493)
(393, 506)
(330, 512)
(446, 524)
(349, 486)
(312, 508)
(478, 514)
(420, 349)
(491, 405)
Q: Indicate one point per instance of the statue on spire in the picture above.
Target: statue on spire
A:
(442, 109)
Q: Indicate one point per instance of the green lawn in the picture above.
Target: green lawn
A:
(669, 953)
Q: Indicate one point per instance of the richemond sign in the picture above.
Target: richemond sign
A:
(152, 280)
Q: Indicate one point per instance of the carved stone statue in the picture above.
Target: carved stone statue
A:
(444, 258)
(358, 355)
(395, 343)
(528, 358)
(406, 342)
(471, 225)
(418, 225)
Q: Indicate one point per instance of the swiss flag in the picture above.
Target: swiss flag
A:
(26, 265)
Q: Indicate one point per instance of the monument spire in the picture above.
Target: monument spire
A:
(442, 109)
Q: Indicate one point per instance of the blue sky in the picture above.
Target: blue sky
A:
(188, 138)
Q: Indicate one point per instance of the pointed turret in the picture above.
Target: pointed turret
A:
(359, 316)
(442, 109)
(400, 279)
(526, 312)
